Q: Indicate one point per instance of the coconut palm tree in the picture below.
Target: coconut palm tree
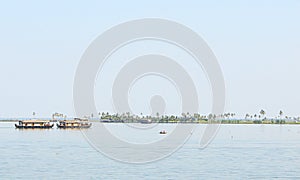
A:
(210, 116)
(280, 113)
(247, 116)
(262, 113)
(232, 115)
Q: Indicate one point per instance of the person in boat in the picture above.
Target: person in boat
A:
(163, 132)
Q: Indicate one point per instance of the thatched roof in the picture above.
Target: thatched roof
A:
(35, 121)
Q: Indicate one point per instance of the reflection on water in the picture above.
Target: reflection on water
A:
(244, 151)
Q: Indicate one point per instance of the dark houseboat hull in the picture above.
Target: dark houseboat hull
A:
(33, 127)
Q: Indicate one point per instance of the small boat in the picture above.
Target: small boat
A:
(76, 123)
(111, 121)
(44, 124)
(145, 121)
(163, 132)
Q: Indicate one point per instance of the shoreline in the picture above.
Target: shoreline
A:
(235, 123)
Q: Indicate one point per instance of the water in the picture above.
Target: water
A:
(238, 151)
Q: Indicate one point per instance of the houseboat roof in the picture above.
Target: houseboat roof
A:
(74, 120)
(35, 121)
(70, 121)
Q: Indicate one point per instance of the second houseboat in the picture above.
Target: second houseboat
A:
(76, 123)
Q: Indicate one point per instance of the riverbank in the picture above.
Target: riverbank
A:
(275, 122)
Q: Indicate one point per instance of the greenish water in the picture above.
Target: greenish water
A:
(237, 152)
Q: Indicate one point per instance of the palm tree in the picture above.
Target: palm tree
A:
(280, 113)
(246, 116)
(232, 115)
(226, 115)
(210, 116)
(262, 113)
(33, 114)
(214, 116)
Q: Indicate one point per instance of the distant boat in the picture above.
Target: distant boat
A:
(44, 124)
(145, 121)
(163, 132)
(111, 121)
(76, 123)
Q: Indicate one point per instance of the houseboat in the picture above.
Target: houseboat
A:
(163, 132)
(76, 123)
(145, 121)
(34, 124)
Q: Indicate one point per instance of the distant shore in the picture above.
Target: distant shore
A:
(9, 120)
(184, 118)
(248, 122)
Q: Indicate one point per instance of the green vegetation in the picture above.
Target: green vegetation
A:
(227, 118)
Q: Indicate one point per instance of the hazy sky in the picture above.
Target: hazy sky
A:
(257, 44)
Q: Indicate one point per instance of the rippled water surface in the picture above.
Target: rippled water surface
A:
(238, 151)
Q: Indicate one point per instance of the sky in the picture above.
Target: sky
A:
(257, 44)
